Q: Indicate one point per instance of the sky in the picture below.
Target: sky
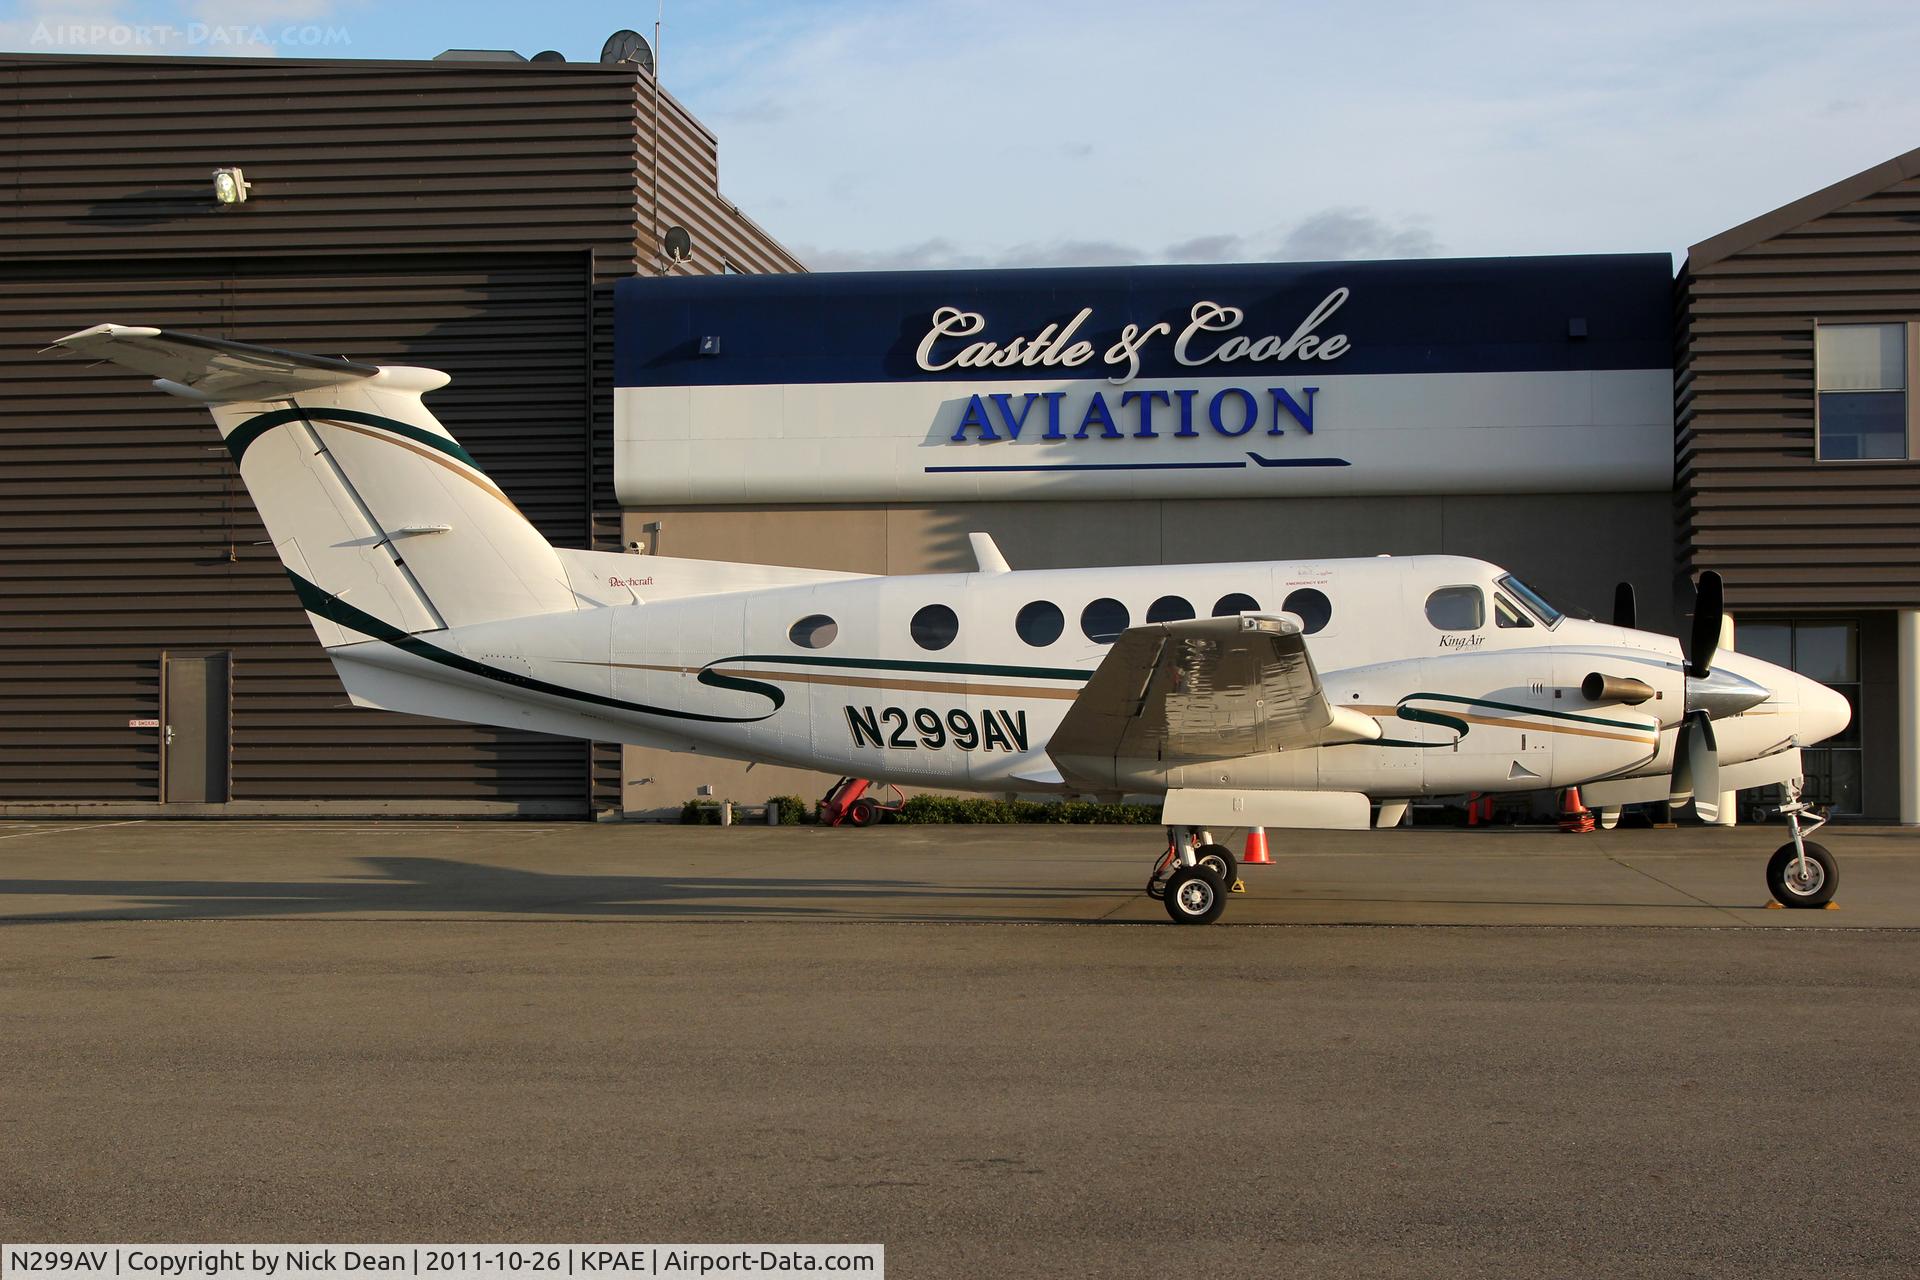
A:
(903, 133)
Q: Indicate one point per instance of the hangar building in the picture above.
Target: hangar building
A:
(470, 216)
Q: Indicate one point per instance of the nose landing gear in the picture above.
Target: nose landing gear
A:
(1193, 877)
(1802, 873)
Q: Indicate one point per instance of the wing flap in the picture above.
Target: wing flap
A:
(1206, 689)
(213, 368)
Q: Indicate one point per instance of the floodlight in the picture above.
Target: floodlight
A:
(230, 186)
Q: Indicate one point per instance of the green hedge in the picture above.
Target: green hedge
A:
(981, 811)
(793, 810)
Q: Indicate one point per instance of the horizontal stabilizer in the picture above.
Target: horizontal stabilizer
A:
(213, 368)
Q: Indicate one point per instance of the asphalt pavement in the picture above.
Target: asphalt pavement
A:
(1434, 1054)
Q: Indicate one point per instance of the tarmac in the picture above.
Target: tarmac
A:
(1417, 1052)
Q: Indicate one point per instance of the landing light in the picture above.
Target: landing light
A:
(230, 186)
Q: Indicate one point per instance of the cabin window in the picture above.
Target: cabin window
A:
(815, 631)
(1040, 623)
(1507, 614)
(1457, 609)
(934, 627)
(1104, 620)
(1234, 602)
(1312, 605)
(1169, 609)
(1861, 391)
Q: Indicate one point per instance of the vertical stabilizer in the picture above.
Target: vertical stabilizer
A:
(368, 499)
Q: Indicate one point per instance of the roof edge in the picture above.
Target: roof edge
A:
(1805, 209)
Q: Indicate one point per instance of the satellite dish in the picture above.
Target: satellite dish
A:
(549, 55)
(679, 244)
(628, 46)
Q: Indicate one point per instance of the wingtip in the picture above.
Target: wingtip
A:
(107, 330)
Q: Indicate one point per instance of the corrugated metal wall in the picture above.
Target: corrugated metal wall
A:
(125, 530)
(1789, 532)
(469, 217)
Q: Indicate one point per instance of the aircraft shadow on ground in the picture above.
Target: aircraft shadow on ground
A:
(426, 887)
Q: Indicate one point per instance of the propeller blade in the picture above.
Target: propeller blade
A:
(1680, 782)
(1709, 610)
(1624, 612)
(1703, 758)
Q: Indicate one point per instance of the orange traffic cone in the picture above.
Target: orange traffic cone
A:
(1256, 854)
(1574, 816)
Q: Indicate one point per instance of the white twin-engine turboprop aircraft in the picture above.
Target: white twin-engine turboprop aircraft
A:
(1251, 694)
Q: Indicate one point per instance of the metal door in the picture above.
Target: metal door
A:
(194, 702)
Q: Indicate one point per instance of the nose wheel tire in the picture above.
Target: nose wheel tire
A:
(1794, 885)
(1195, 895)
(862, 812)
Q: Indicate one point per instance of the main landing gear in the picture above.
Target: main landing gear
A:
(1193, 877)
(1802, 873)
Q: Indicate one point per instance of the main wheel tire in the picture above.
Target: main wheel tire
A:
(1791, 889)
(1220, 858)
(1195, 895)
(862, 812)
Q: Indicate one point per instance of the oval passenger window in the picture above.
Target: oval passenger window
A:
(934, 627)
(1235, 602)
(1169, 609)
(1457, 609)
(1040, 623)
(1314, 608)
(1104, 620)
(815, 631)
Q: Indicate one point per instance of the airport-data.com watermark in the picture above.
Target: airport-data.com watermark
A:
(130, 37)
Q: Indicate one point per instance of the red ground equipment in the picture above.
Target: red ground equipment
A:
(849, 802)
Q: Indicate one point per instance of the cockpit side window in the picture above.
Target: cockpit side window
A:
(1535, 603)
(1507, 614)
(1457, 609)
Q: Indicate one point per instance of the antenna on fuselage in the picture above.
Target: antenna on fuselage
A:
(986, 555)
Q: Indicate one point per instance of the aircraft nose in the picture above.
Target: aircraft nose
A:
(1823, 713)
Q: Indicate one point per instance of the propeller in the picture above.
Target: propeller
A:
(1624, 613)
(1710, 694)
(1709, 614)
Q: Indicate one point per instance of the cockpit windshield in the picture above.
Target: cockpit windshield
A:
(1535, 602)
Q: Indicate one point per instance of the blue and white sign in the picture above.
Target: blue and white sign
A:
(1465, 375)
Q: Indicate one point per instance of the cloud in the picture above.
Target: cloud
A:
(1255, 131)
(1327, 234)
(1354, 233)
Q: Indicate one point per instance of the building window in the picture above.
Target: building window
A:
(1861, 380)
(1828, 651)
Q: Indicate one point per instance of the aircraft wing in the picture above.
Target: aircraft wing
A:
(213, 367)
(1206, 689)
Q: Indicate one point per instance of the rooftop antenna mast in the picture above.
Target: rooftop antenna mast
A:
(660, 258)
